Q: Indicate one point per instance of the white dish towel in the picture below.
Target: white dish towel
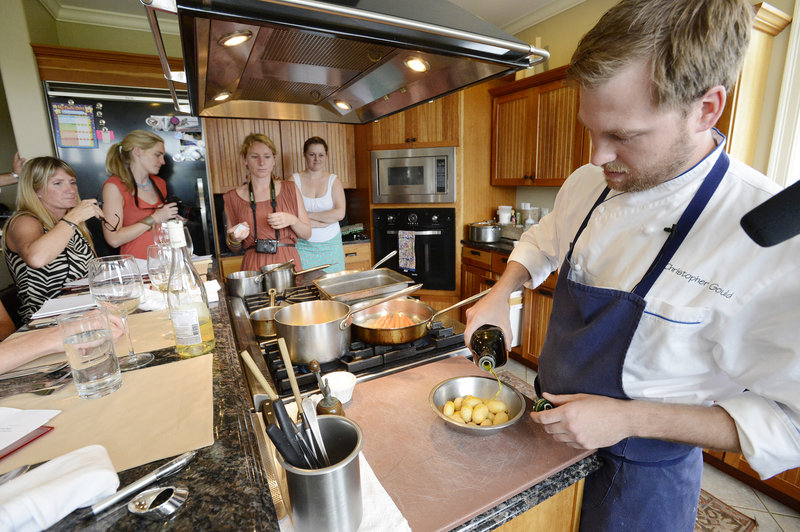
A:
(43, 496)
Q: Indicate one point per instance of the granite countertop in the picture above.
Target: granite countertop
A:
(501, 246)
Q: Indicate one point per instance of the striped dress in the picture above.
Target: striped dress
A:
(37, 285)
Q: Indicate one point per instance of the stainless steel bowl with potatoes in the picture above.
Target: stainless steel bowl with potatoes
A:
(478, 395)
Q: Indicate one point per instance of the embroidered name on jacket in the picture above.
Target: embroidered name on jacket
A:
(691, 278)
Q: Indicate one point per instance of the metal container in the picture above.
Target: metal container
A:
(320, 330)
(329, 498)
(282, 276)
(263, 321)
(362, 285)
(478, 387)
(244, 283)
(484, 232)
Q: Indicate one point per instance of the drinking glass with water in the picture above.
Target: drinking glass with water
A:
(89, 345)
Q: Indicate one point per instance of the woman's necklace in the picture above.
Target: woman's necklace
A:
(146, 186)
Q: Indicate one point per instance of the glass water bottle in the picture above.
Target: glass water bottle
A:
(489, 347)
(188, 302)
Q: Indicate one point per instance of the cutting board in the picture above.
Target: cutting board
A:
(438, 477)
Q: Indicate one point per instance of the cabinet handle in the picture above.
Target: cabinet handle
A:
(353, 254)
(476, 253)
(414, 139)
(408, 140)
(504, 261)
(545, 292)
(489, 282)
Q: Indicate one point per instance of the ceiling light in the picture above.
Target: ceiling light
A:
(417, 64)
(222, 96)
(343, 105)
(236, 38)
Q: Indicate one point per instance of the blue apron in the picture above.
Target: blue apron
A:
(644, 484)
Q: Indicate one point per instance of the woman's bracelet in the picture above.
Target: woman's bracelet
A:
(149, 221)
(232, 243)
(71, 224)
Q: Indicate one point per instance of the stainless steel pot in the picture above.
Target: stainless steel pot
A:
(281, 276)
(245, 283)
(484, 232)
(320, 330)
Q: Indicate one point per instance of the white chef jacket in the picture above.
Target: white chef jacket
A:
(722, 322)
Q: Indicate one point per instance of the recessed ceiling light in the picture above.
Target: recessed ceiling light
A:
(343, 105)
(222, 96)
(417, 64)
(236, 38)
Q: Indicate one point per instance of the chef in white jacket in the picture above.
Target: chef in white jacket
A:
(671, 330)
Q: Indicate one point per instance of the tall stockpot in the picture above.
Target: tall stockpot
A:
(320, 330)
(484, 232)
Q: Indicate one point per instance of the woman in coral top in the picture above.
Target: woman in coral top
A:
(134, 197)
(287, 218)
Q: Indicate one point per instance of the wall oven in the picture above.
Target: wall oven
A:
(418, 175)
(425, 239)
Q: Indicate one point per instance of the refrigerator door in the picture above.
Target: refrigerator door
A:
(87, 120)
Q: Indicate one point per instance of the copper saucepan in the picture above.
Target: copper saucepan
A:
(421, 314)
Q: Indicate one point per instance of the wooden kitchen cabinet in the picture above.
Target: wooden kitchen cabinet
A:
(224, 137)
(358, 256)
(537, 304)
(480, 269)
(537, 138)
(427, 125)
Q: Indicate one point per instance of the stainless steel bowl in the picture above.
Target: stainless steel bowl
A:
(478, 387)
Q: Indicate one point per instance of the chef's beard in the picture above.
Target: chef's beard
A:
(671, 164)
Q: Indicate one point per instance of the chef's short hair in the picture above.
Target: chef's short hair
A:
(692, 46)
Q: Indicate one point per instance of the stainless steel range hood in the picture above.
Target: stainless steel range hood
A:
(341, 61)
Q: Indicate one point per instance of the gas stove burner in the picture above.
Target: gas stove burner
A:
(299, 294)
(364, 359)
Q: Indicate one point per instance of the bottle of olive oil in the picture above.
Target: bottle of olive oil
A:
(188, 302)
(489, 347)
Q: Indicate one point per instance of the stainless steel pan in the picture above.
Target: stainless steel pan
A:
(282, 276)
(245, 283)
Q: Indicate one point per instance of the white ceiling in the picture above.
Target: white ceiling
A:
(509, 15)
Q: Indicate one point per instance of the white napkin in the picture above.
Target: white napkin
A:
(154, 300)
(43, 496)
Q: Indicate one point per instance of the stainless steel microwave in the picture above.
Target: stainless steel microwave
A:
(417, 175)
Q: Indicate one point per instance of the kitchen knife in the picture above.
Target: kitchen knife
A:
(283, 446)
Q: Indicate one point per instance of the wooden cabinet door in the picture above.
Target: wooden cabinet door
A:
(341, 148)
(224, 137)
(473, 281)
(787, 482)
(536, 307)
(358, 256)
(558, 133)
(427, 125)
(513, 141)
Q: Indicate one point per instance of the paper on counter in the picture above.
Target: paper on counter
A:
(60, 305)
(16, 424)
(159, 412)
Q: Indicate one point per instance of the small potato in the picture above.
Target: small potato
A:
(466, 414)
(486, 423)
(479, 413)
(471, 402)
(457, 418)
(449, 408)
(457, 403)
(490, 416)
(500, 417)
(496, 406)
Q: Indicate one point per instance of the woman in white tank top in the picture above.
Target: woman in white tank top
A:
(323, 196)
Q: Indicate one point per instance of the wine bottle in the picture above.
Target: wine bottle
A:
(188, 302)
(489, 347)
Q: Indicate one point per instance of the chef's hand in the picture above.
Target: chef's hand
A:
(493, 309)
(165, 213)
(280, 220)
(584, 421)
(239, 232)
(84, 210)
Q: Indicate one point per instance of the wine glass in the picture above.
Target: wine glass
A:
(159, 258)
(115, 284)
(161, 234)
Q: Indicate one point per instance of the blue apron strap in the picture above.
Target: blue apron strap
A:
(600, 200)
(681, 229)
